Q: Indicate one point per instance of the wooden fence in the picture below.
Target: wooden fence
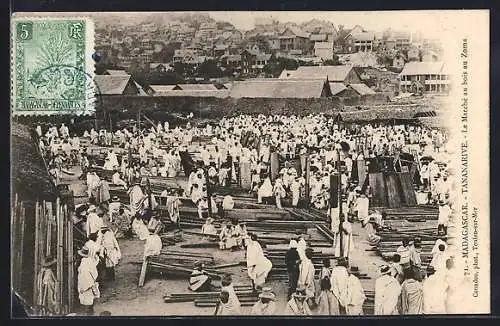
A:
(41, 232)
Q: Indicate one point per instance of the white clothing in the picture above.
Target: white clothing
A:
(153, 245)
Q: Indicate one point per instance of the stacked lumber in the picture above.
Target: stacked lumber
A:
(175, 263)
(245, 294)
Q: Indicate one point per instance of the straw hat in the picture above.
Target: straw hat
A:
(92, 208)
(210, 220)
(115, 199)
(300, 292)
(267, 294)
(84, 252)
(384, 269)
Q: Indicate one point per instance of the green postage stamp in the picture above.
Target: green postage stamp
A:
(52, 69)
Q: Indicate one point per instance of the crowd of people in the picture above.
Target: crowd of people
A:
(250, 147)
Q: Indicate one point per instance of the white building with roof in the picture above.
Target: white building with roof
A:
(425, 77)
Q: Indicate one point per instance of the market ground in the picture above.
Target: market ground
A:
(123, 296)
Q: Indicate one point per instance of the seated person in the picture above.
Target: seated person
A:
(199, 281)
(208, 227)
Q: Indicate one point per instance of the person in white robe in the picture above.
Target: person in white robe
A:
(225, 306)
(297, 305)
(362, 206)
(111, 251)
(279, 191)
(444, 216)
(209, 228)
(88, 287)
(434, 289)
(258, 265)
(137, 199)
(295, 190)
(339, 280)
(227, 285)
(153, 244)
(139, 228)
(94, 222)
(117, 180)
(199, 281)
(113, 208)
(387, 291)
(347, 242)
(301, 247)
(306, 275)
(355, 296)
(265, 190)
(93, 182)
(266, 306)
(173, 203)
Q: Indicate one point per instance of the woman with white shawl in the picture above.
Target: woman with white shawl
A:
(88, 288)
(258, 265)
(265, 190)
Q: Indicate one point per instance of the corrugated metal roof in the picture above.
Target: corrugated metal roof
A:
(277, 88)
(162, 88)
(112, 84)
(362, 89)
(195, 93)
(334, 73)
(195, 87)
(422, 68)
(337, 88)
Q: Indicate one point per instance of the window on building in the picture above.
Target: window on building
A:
(427, 88)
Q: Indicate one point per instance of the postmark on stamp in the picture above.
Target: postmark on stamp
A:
(51, 65)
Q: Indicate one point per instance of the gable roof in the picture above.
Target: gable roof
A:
(423, 68)
(277, 88)
(334, 73)
(221, 93)
(295, 31)
(195, 87)
(112, 84)
(362, 89)
(363, 36)
(336, 88)
(323, 45)
(114, 72)
(161, 88)
(318, 37)
(154, 65)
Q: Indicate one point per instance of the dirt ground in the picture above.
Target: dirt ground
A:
(123, 296)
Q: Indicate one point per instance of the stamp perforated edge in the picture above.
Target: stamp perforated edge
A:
(89, 108)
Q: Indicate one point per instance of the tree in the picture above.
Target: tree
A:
(209, 69)
(332, 62)
(166, 54)
(276, 65)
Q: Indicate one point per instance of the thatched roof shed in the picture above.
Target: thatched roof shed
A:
(29, 176)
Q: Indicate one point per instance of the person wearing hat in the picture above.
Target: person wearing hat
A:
(387, 291)
(327, 303)
(412, 297)
(434, 292)
(306, 275)
(88, 288)
(209, 228)
(339, 281)
(225, 306)
(199, 281)
(46, 286)
(355, 295)
(266, 306)
(292, 261)
(113, 208)
(258, 265)
(110, 251)
(297, 304)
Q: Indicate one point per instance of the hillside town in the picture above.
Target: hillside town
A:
(290, 169)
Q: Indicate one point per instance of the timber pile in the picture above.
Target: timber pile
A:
(244, 293)
(176, 263)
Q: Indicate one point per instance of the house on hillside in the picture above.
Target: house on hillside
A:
(425, 77)
(160, 67)
(112, 85)
(293, 38)
(341, 74)
(362, 41)
(253, 61)
(323, 50)
(280, 88)
(399, 60)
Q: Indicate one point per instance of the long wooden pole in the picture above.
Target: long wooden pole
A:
(339, 194)
(37, 252)
(71, 266)
(21, 241)
(14, 242)
(60, 255)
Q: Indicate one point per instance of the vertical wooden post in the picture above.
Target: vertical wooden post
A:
(20, 249)
(49, 211)
(308, 176)
(37, 252)
(60, 256)
(71, 265)
(14, 222)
